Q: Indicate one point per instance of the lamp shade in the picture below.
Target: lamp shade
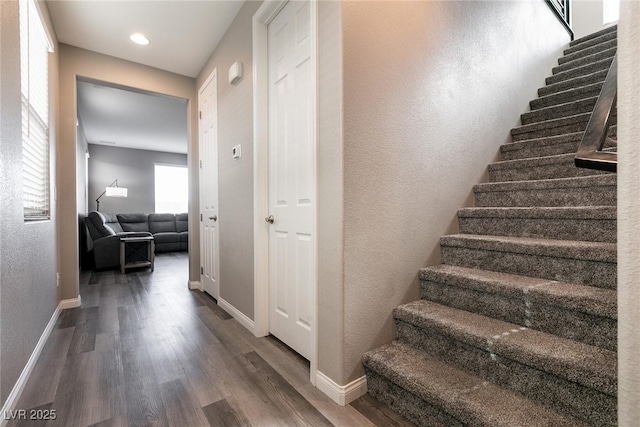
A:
(116, 192)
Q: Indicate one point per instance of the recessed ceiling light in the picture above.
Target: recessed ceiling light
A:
(139, 38)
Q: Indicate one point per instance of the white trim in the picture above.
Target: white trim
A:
(237, 314)
(18, 388)
(341, 394)
(194, 285)
(261, 19)
(66, 304)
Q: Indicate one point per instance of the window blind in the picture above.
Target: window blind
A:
(34, 87)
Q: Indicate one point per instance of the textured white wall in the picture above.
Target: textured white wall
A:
(431, 90)
(28, 259)
(235, 177)
(629, 215)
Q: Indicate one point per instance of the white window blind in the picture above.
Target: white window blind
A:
(34, 85)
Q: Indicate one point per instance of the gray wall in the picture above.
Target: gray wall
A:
(134, 169)
(28, 258)
(235, 185)
(431, 90)
(586, 17)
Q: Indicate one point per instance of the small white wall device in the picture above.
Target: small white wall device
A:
(236, 152)
(235, 73)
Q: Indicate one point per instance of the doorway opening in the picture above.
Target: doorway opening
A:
(122, 135)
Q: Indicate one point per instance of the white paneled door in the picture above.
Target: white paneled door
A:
(292, 177)
(208, 137)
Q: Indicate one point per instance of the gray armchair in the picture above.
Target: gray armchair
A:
(105, 231)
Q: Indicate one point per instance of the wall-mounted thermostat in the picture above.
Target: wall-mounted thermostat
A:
(237, 151)
(235, 73)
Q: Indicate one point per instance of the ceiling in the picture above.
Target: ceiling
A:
(124, 118)
(182, 34)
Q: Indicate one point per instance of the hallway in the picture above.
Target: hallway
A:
(145, 350)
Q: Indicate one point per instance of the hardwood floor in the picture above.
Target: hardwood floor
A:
(143, 350)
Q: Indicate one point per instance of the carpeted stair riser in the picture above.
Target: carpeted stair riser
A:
(577, 123)
(605, 54)
(558, 111)
(529, 307)
(576, 362)
(560, 166)
(547, 146)
(592, 224)
(592, 36)
(610, 44)
(416, 410)
(554, 127)
(429, 385)
(589, 79)
(581, 45)
(583, 263)
(570, 95)
(592, 407)
(596, 190)
(582, 71)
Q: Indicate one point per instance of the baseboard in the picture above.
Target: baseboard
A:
(237, 314)
(195, 285)
(9, 406)
(341, 394)
(66, 304)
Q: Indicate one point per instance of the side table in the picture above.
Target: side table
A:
(142, 252)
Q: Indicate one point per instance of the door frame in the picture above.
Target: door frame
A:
(212, 78)
(261, 20)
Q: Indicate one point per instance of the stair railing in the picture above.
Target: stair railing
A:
(590, 154)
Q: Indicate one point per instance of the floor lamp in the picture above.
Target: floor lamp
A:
(111, 191)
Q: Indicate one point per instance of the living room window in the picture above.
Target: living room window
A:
(171, 188)
(34, 87)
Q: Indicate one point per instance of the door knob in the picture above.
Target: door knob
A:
(214, 218)
(270, 219)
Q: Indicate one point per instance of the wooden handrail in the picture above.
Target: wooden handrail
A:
(590, 154)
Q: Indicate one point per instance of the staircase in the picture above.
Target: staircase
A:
(517, 326)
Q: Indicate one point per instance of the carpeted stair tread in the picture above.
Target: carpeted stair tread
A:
(583, 263)
(536, 168)
(552, 127)
(591, 78)
(546, 146)
(569, 95)
(596, 190)
(561, 76)
(590, 223)
(569, 296)
(559, 110)
(585, 60)
(574, 249)
(587, 365)
(610, 35)
(597, 34)
(467, 398)
(591, 50)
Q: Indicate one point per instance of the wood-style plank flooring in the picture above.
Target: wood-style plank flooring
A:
(144, 350)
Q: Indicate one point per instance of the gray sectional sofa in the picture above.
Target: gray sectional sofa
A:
(170, 233)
